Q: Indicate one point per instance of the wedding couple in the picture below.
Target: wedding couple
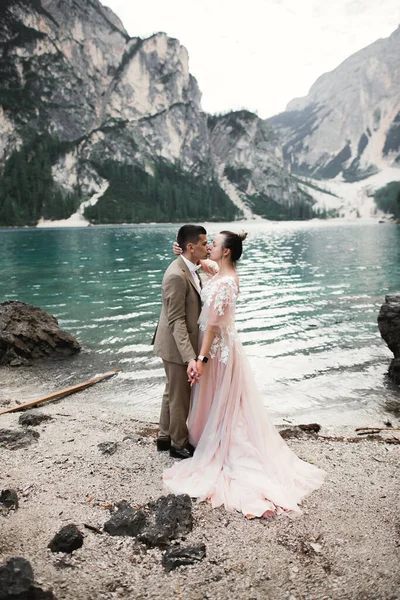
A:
(212, 413)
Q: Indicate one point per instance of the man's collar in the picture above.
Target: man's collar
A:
(191, 266)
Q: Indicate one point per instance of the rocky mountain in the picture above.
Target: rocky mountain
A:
(89, 114)
(249, 160)
(349, 123)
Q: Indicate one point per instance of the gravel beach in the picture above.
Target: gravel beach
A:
(345, 545)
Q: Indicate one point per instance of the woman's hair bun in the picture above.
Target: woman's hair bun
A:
(242, 235)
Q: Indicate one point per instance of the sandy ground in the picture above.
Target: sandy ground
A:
(345, 545)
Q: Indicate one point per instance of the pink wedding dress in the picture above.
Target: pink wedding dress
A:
(240, 461)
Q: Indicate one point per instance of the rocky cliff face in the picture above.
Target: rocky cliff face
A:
(349, 122)
(81, 77)
(70, 69)
(249, 157)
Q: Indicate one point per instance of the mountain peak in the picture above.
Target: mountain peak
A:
(349, 121)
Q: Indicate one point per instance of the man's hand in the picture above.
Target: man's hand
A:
(192, 372)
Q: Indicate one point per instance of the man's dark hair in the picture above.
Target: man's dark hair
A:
(189, 233)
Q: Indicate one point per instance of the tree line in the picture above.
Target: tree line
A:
(27, 188)
(170, 194)
(387, 199)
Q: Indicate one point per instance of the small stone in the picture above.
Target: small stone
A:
(316, 547)
(108, 447)
(31, 419)
(14, 439)
(177, 557)
(310, 427)
(9, 499)
(68, 539)
(132, 437)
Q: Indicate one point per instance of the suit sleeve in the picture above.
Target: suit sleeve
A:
(175, 301)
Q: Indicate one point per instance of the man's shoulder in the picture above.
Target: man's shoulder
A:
(175, 268)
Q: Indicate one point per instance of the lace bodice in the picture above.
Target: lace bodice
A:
(219, 297)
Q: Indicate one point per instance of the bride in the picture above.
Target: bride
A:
(240, 460)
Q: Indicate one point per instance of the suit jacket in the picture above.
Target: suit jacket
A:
(177, 333)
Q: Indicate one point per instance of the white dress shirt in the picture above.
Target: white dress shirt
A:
(193, 270)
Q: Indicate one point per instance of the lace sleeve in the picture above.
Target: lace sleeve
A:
(222, 304)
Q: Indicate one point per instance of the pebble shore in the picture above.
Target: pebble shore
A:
(345, 545)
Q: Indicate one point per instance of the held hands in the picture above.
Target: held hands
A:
(200, 368)
(194, 371)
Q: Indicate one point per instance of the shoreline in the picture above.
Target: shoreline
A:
(345, 545)
(333, 220)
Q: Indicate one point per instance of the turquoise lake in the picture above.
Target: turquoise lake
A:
(307, 314)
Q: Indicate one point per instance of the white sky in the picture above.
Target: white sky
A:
(260, 54)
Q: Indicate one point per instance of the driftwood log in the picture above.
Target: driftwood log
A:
(61, 393)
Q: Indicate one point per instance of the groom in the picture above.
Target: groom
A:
(176, 338)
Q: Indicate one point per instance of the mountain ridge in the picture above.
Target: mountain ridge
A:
(74, 74)
(349, 122)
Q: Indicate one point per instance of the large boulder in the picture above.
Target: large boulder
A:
(389, 327)
(28, 332)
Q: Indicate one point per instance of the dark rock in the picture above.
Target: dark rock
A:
(156, 536)
(298, 431)
(310, 427)
(173, 518)
(9, 499)
(126, 521)
(176, 557)
(394, 370)
(174, 512)
(14, 439)
(16, 578)
(389, 323)
(291, 432)
(31, 419)
(68, 539)
(28, 332)
(17, 583)
(18, 362)
(108, 447)
(389, 327)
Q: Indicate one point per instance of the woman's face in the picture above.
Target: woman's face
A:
(217, 248)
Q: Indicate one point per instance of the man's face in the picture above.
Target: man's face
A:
(199, 249)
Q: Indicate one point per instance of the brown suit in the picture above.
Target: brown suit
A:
(176, 342)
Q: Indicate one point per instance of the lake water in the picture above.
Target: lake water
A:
(307, 314)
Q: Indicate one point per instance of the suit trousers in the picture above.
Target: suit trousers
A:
(175, 405)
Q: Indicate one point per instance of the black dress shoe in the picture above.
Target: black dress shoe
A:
(180, 452)
(190, 448)
(163, 445)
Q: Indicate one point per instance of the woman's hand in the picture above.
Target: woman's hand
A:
(200, 368)
(176, 249)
